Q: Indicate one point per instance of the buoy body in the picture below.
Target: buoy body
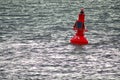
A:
(79, 38)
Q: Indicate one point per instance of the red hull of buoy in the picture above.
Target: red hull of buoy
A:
(79, 40)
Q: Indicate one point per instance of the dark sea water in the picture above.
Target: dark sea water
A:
(35, 34)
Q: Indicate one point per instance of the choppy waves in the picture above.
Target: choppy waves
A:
(34, 40)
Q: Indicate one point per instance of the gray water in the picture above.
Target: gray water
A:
(35, 34)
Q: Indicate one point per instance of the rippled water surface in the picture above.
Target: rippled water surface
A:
(35, 34)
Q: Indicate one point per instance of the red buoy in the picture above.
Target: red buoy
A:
(79, 27)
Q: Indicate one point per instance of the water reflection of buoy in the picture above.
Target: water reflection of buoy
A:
(79, 38)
